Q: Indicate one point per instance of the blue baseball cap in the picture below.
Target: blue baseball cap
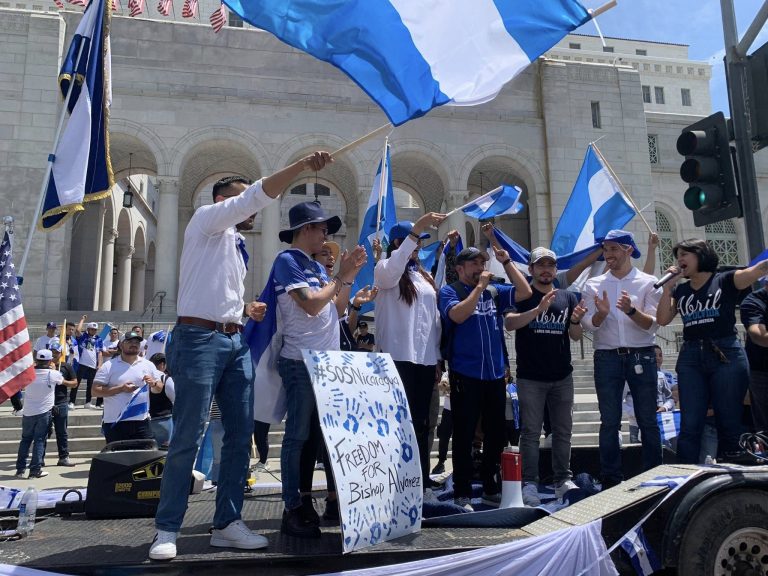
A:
(402, 229)
(622, 237)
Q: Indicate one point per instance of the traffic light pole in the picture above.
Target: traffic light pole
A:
(738, 94)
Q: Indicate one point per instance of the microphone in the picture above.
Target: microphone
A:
(666, 278)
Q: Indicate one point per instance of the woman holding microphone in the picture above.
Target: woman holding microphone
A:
(712, 366)
(408, 323)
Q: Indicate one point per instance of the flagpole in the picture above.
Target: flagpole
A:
(473, 201)
(601, 9)
(378, 132)
(63, 355)
(623, 189)
(49, 167)
(382, 182)
(167, 336)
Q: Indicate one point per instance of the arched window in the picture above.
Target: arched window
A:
(722, 237)
(667, 240)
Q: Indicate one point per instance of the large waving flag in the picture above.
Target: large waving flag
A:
(80, 169)
(378, 221)
(498, 202)
(522, 256)
(413, 55)
(596, 206)
(16, 365)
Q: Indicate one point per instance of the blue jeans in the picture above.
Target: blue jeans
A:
(60, 415)
(162, 428)
(34, 432)
(300, 404)
(612, 370)
(705, 379)
(205, 363)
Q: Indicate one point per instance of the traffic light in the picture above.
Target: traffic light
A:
(709, 170)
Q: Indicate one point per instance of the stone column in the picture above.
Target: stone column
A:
(107, 265)
(99, 257)
(270, 243)
(123, 278)
(137, 285)
(454, 199)
(167, 245)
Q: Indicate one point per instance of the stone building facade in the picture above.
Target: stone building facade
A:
(190, 106)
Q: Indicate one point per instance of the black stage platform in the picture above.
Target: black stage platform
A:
(76, 545)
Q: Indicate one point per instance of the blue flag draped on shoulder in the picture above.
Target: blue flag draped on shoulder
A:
(81, 170)
(503, 200)
(368, 229)
(413, 55)
(596, 206)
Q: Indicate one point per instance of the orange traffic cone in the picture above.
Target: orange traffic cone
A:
(511, 478)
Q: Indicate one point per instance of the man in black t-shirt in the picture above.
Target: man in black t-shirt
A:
(365, 340)
(60, 409)
(754, 316)
(544, 324)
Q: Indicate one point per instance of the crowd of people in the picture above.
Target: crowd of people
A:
(429, 330)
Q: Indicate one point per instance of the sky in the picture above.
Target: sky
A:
(697, 23)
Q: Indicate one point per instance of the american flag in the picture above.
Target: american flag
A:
(190, 9)
(219, 18)
(164, 7)
(136, 7)
(16, 365)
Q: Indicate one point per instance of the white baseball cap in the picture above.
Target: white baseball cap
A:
(44, 355)
(94, 325)
(539, 253)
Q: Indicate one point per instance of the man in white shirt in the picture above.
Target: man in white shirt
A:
(36, 415)
(621, 312)
(307, 302)
(125, 382)
(91, 348)
(211, 308)
(50, 333)
(111, 344)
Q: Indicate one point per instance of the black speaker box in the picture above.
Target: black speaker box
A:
(124, 480)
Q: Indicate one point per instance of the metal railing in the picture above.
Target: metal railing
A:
(155, 305)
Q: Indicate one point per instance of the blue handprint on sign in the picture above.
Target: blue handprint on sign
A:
(402, 405)
(354, 415)
(406, 450)
(378, 412)
(330, 420)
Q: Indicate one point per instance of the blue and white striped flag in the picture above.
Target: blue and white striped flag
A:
(596, 206)
(81, 170)
(669, 424)
(642, 556)
(371, 228)
(137, 405)
(759, 258)
(498, 202)
(412, 55)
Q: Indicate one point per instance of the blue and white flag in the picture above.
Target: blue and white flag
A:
(759, 258)
(498, 202)
(522, 256)
(371, 227)
(596, 206)
(669, 424)
(428, 255)
(81, 170)
(412, 55)
(642, 556)
(137, 405)
(265, 339)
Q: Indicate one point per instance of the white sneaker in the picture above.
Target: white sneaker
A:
(465, 503)
(563, 487)
(531, 494)
(88, 405)
(163, 546)
(237, 535)
(262, 467)
(71, 406)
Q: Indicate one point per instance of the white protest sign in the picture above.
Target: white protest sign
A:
(369, 434)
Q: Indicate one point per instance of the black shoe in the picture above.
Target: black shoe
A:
(65, 462)
(331, 515)
(308, 511)
(439, 468)
(432, 484)
(294, 525)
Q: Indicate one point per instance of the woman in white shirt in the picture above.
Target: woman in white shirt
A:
(408, 322)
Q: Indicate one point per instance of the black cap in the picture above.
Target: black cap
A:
(132, 336)
(308, 213)
(470, 254)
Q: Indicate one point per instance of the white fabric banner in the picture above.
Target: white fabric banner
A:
(568, 551)
(368, 431)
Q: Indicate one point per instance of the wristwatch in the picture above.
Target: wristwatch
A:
(632, 311)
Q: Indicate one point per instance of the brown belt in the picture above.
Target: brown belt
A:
(226, 328)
